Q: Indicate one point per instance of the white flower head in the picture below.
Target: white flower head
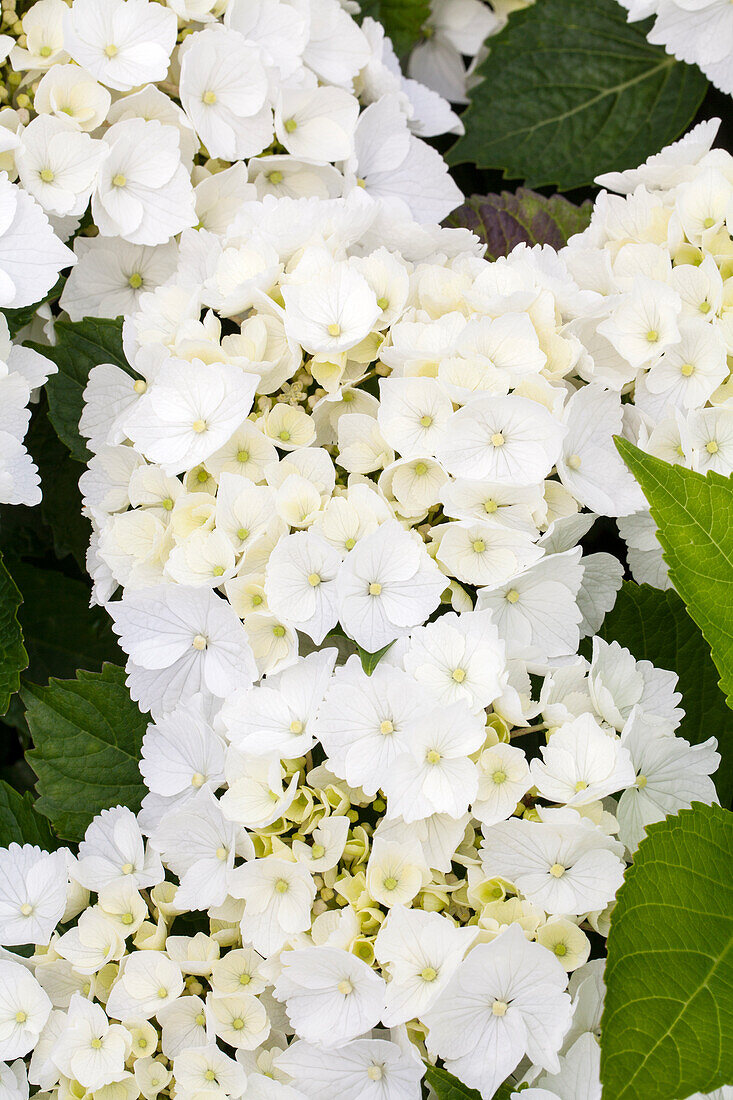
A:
(670, 774)
(278, 897)
(113, 849)
(458, 657)
(189, 412)
(364, 1069)
(387, 585)
(24, 1010)
(32, 895)
(90, 1049)
(122, 43)
(506, 999)
(510, 440)
(331, 996)
(301, 583)
(279, 716)
(181, 641)
(435, 775)
(224, 91)
(423, 951)
(582, 763)
(563, 867)
(365, 722)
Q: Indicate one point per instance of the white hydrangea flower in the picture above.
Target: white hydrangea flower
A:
(122, 43)
(33, 895)
(505, 999)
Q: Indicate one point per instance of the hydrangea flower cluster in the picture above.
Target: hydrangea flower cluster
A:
(340, 875)
(337, 502)
(699, 32)
(658, 256)
(158, 114)
(370, 419)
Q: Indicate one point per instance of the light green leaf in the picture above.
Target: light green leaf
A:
(13, 657)
(369, 661)
(570, 90)
(667, 1027)
(87, 735)
(694, 515)
(506, 220)
(654, 626)
(19, 821)
(403, 20)
(80, 346)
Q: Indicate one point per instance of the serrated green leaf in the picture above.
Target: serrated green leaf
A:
(403, 20)
(19, 821)
(62, 632)
(570, 90)
(13, 657)
(369, 661)
(694, 515)
(448, 1087)
(654, 626)
(506, 220)
(667, 1027)
(80, 346)
(87, 735)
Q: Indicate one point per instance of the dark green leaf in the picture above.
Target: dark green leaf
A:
(369, 661)
(654, 626)
(506, 220)
(570, 90)
(448, 1087)
(80, 346)
(403, 20)
(61, 507)
(694, 515)
(19, 318)
(87, 735)
(13, 657)
(667, 1027)
(19, 821)
(62, 632)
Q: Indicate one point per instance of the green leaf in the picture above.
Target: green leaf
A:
(369, 661)
(569, 90)
(667, 1027)
(13, 657)
(19, 318)
(19, 821)
(87, 735)
(506, 220)
(694, 515)
(448, 1087)
(61, 507)
(62, 632)
(80, 346)
(654, 626)
(403, 20)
